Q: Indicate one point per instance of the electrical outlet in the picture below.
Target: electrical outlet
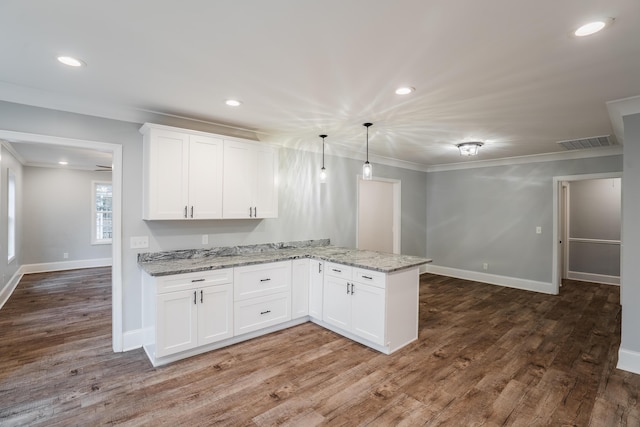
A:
(205, 239)
(538, 230)
(139, 242)
(65, 255)
(485, 266)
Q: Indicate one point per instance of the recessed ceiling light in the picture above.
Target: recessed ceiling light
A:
(71, 61)
(233, 102)
(406, 90)
(592, 27)
(63, 163)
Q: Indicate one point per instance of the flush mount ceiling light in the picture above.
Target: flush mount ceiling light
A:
(233, 102)
(469, 148)
(63, 163)
(71, 61)
(592, 27)
(367, 168)
(405, 90)
(323, 171)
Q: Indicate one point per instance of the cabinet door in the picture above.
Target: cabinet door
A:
(205, 177)
(336, 307)
(316, 274)
(215, 313)
(368, 312)
(299, 288)
(176, 322)
(166, 174)
(266, 191)
(239, 180)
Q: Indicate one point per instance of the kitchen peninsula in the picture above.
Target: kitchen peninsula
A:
(200, 300)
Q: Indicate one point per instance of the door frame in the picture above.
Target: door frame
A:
(116, 244)
(397, 211)
(556, 271)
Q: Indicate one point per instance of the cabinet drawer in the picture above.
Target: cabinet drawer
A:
(337, 270)
(373, 278)
(181, 282)
(262, 279)
(257, 313)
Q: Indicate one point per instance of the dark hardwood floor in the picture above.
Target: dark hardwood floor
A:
(486, 355)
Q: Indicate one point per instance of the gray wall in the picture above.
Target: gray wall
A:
(490, 214)
(57, 215)
(8, 269)
(630, 294)
(307, 210)
(595, 213)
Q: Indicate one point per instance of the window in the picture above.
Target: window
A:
(11, 216)
(102, 213)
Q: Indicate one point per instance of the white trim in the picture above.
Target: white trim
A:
(535, 158)
(65, 265)
(628, 360)
(594, 278)
(8, 289)
(116, 247)
(132, 340)
(618, 109)
(557, 182)
(492, 279)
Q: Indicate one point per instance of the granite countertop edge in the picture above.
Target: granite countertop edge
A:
(376, 261)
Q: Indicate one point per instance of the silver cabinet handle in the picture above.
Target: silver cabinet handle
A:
(265, 280)
(201, 296)
(255, 211)
(319, 267)
(367, 277)
(336, 270)
(265, 312)
(191, 211)
(250, 212)
(197, 280)
(195, 296)
(185, 211)
(352, 289)
(347, 288)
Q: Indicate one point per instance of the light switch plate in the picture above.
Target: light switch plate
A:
(205, 239)
(139, 242)
(538, 230)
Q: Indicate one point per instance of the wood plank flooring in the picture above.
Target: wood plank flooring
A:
(486, 355)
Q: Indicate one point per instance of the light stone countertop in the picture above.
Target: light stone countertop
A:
(387, 263)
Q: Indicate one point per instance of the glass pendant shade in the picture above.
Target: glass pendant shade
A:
(469, 148)
(367, 171)
(323, 171)
(367, 168)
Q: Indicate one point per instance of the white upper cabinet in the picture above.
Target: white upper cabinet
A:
(195, 175)
(182, 175)
(250, 180)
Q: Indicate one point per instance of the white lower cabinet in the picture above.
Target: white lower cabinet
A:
(355, 307)
(188, 310)
(300, 288)
(262, 295)
(316, 278)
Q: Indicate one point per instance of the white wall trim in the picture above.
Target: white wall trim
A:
(629, 360)
(535, 158)
(132, 340)
(8, 289)
(493, 279)
(65, 265)
(595, 278)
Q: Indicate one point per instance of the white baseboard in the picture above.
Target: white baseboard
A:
(629, 360)
(132, 340)
(65, 265)
(595, 278)
(493, 279)
(8, 289)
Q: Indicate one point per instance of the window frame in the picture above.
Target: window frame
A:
(94, 212)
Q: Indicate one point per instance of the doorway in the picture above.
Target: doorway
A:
(378, 217)
(572, 247)
(116, 249)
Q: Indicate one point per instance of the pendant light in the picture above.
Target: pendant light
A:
(323, 171)
(367, 168)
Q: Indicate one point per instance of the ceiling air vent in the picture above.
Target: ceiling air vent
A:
(592, 142)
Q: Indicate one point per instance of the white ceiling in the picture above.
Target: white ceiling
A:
(505, 72)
